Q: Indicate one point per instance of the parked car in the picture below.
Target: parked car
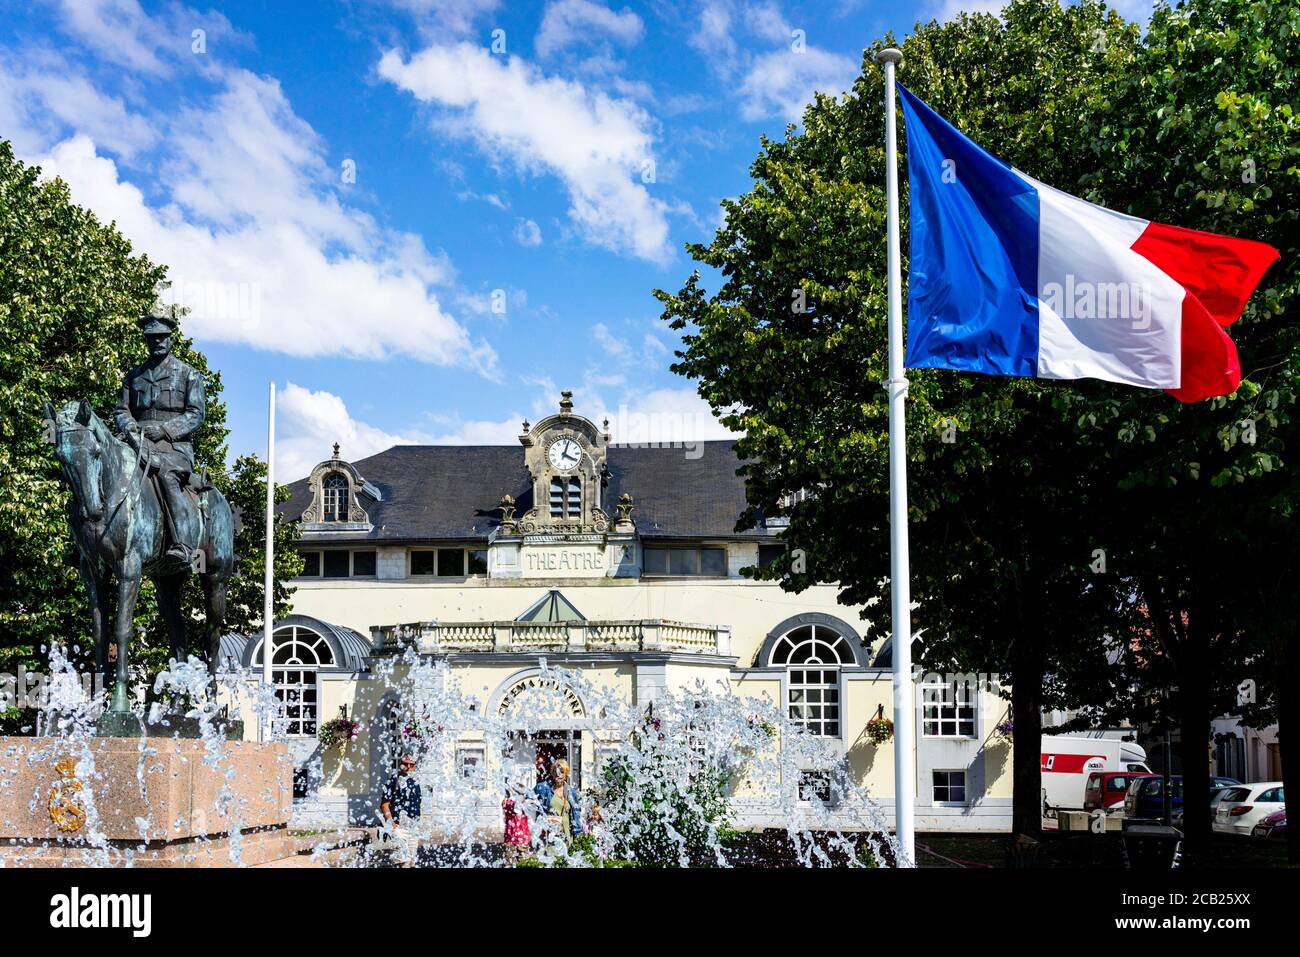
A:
(1241, 808)
(1146, 797)
(1108, 789)
(1273, 826)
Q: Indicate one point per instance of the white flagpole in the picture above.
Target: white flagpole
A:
(268, 603)
(900, 590)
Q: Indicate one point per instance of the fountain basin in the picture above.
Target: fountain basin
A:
(157, 799)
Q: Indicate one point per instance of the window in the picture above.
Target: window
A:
(471, 765)
(685, 562)
(448, 562)
(814, 655)
(948, 709)
(334, 498)
(338, 564)
(815, 786)
(451, 563)
(949, 787)
(566, 497)
(767, 554)
(299, 654)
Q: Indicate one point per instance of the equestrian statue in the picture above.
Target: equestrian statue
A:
(140, 508)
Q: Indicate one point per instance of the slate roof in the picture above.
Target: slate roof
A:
(446, 492)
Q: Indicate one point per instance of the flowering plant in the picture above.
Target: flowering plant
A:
(421, 729)
(880, 730)
(1006, 728)
(337, 731)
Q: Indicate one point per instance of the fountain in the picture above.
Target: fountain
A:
(669, 779)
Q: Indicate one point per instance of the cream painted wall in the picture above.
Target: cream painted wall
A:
(750, 608)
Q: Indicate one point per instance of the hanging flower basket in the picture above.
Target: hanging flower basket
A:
(338, 732)
(1005, 729)
(880, 730)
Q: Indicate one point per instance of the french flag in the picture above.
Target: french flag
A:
(1009, 276)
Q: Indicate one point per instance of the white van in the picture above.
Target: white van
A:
(1067, 760)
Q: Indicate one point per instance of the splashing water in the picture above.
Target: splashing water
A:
(670, 783)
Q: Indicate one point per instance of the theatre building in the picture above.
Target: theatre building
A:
(619, 562)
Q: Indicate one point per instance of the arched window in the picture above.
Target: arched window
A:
(334, 498)
(299, 654)
(813, 655)
(566, 497)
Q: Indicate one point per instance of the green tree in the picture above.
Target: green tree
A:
(71, 294)
(791, 350)
(1203, 133)
(1042, 516)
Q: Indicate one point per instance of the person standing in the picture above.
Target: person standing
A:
(400, 808)
(518, 833)
(559, 801)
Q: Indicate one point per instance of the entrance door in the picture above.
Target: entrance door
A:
(551, 746)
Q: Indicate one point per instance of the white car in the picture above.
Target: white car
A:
(1239, 809)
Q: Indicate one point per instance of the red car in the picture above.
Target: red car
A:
(1106, 789)
(1272, 826)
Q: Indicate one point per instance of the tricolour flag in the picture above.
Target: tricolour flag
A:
(1008, 276)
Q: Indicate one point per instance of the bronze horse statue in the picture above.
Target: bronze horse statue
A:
(119, 526)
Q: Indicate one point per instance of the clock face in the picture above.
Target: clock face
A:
(564, 455)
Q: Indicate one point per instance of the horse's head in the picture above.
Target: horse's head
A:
(80, 445)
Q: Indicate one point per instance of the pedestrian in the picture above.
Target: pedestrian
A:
(401, 811)
(518, 832)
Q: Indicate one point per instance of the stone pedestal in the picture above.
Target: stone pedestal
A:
(157, 800)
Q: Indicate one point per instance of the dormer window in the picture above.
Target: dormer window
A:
(334, 498)
(566, 497)
(339, 498)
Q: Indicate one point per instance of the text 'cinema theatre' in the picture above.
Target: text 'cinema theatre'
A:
(619, 562)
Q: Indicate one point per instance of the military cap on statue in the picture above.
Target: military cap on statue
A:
(158, 325)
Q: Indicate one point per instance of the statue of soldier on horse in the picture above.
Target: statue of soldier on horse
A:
(139, 507)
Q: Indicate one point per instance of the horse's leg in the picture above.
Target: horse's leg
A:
(169, 606)
(128, 590)
(214, 601)
(95, 591)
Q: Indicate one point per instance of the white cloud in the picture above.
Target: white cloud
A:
(122, 33)
(715, 36)
(41, 94)
(308, 425)
(447, 16)
(776, 82)
(782, 81)
(576, 22)
(596, 145)
(119, 31)
(528, 233)
(951, 9)
(659, 416)
(481, 431)
(259, 244)
(609, 342)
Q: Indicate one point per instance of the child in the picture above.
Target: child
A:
(597, 829)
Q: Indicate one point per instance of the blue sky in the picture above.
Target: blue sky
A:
(423, 218)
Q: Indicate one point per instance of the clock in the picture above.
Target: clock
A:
(564, 455)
